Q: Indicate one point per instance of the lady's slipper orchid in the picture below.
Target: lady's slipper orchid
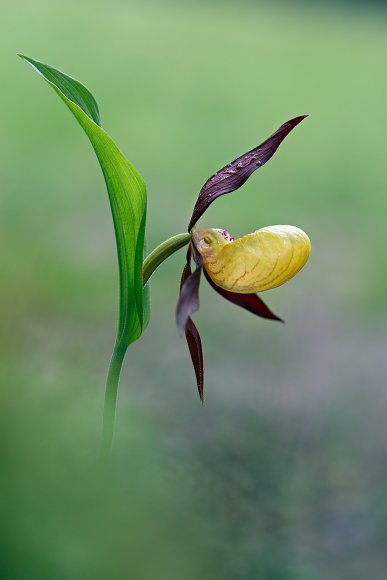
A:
(237, 269)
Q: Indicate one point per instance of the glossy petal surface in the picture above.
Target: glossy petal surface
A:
(234, 175)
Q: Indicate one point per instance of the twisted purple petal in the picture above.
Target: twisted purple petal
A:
(195, 348)
(187, 304)
(251, 302)
(233, 175)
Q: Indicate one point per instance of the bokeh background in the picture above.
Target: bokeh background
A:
(282, 474)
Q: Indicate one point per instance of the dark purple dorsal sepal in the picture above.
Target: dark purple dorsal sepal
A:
(234, 175)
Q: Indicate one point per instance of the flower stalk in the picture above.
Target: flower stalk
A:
(161, 253)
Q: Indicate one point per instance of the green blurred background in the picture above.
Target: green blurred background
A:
(282, 474)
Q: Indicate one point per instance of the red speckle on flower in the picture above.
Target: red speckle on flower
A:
(227, 236)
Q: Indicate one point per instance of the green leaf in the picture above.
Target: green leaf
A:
(127, 195)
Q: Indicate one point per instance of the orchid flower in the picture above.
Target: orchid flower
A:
(237, 269)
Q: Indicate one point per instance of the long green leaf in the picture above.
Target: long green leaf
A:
(127, 194)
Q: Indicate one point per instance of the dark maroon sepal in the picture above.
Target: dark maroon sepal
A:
(250, 302)
(195, 348)
(188, 327)
(188, 302)
(233, 175)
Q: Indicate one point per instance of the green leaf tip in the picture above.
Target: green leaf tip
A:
(127, 196)
(70, 87)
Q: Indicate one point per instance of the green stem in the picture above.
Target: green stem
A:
(161, 253)
(155, 258)
(113, 379)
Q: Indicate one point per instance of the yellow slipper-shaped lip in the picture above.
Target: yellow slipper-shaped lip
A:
(256, 262)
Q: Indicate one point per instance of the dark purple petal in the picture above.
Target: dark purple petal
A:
(195, 348)
(251, 302)
(192, 334)
(233, 175)
(188, 302)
